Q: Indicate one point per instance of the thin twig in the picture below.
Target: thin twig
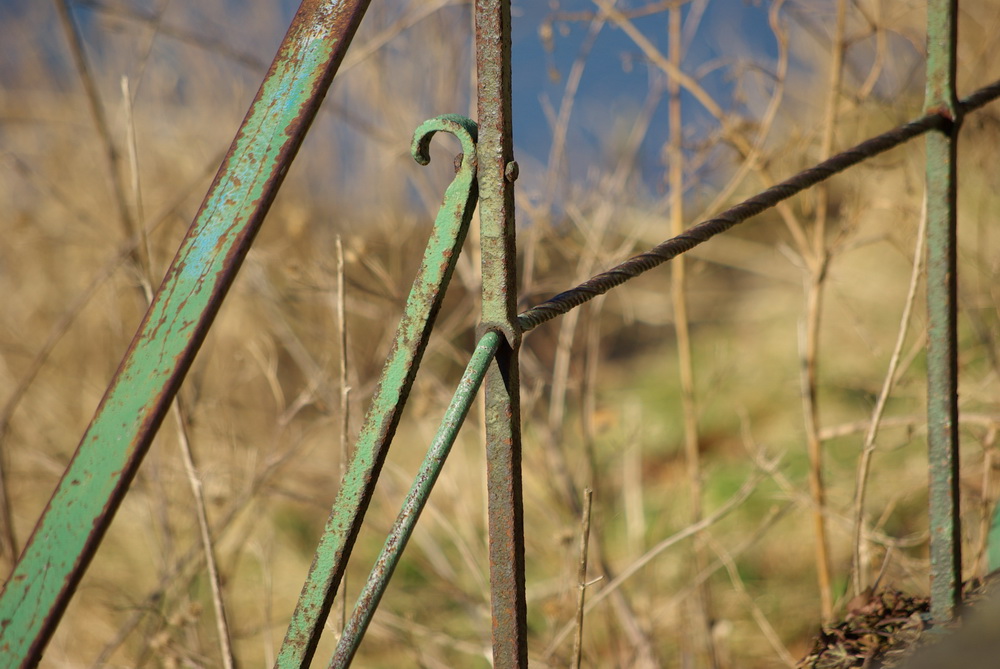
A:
(713, 107)
(97, 113)
(198, 494)
(682, 331)
(581, 577)
(912, 422)
(685, 81)
(345, 393)
(143, 254)
(750, 161)
(758, 615)
(595, 229)
(881, 49)
(557, 151)
(144, 260)
(819, 266)
(987, 504)
(614, 584)
(766, 525)
(702, 232)
(868, 449)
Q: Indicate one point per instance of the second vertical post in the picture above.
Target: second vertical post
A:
(497, 172)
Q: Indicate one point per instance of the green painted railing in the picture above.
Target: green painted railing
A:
(112, 449)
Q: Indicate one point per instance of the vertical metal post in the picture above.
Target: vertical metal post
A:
(942, 305)
(497, 172)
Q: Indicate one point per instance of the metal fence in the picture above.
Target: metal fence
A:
(182, 310)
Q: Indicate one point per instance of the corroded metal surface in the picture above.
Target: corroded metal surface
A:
(400, 369)
(182, 311)
(497, 172)
(78, 514)
(942, 309)
(415, 501)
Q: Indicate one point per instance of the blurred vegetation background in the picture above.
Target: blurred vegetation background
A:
(704, 395)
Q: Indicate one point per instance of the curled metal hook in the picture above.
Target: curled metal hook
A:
(465, 129)
(422, 305)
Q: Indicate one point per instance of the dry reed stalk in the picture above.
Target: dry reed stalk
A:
(345, 404)
(144, 260)
(819, 266)
(139, 255)
(596, 233)
(987, 504)
(614, 584)
(599, 442)
(682, 331)
(860, 580)
(581, 577)
(758, 615)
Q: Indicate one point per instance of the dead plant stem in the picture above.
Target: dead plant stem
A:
(581, 577)
(814, 311)
(145, 266)
(751, 160)
(198, 494)
(345, 407)
(986, 504)
(708, 102)
(97, 113)
(565, 486)
(817, 490)
(613, 585)
(868, 448)
(758, 615)
(682, 331)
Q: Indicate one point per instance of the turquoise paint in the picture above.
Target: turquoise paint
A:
(415, 501)
(171, 332)
(347, 515)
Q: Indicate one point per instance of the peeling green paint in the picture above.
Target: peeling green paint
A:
(400, 369)
(170, 334)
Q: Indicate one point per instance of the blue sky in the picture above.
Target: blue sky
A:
(615, 85)
(617, 78)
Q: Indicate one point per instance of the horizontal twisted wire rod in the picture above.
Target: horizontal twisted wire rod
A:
(661, 253)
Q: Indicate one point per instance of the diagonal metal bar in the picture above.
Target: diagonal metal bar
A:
(497, 172)
(80, 510)
(415, 501)
(400, 369)
(942, 309)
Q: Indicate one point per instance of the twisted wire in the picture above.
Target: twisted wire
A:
(687, 240)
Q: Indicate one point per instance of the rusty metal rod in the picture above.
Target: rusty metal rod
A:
(412, 334)
(942, 312)
(415, 501)
(90, 491)
(497, 172)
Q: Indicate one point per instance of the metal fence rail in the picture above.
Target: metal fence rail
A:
(73, 524)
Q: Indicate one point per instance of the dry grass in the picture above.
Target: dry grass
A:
(602, 389)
